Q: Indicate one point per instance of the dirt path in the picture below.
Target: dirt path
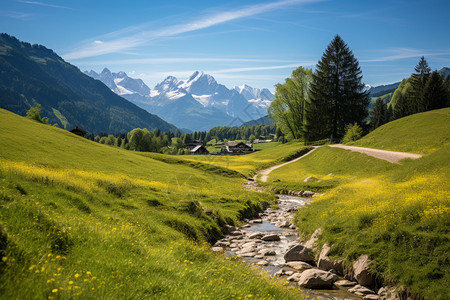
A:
(391, 156)
(265, 173)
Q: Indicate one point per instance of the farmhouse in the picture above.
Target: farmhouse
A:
(233, 147)
(79, 131)
(199, 150)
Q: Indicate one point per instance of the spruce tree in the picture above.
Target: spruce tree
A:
(378, 114)
(416, 101)
(435, 93)
(337, 93)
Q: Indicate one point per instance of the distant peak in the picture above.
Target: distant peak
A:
(121, 74)
(106, 71)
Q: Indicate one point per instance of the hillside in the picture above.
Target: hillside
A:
(69, 98)
(419, 133)
(398, 214)
(81, 219)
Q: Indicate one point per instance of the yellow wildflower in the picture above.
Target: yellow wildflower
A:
(54, 290)
(4, 258)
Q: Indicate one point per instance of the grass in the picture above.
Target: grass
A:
(248, 164)
(329, 166)
(398, 214)
(84, 220)
(420, 133)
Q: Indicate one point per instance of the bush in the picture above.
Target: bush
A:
(353, 132)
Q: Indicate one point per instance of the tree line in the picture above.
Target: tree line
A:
(175, 143)
(332, 102)
(423, 91)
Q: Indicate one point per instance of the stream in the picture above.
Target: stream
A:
(264, 241)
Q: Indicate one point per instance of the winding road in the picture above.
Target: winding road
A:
(390, 156)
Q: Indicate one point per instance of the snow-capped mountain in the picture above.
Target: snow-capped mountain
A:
(198, 103)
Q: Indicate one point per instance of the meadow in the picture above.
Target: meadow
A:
(83, 220)
(398, 214)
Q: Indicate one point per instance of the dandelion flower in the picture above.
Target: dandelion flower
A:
(4, 258)
(54, 290)
(77, 275)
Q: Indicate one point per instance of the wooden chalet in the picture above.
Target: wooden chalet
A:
(79, 131)
(237, 148)
(199, 150)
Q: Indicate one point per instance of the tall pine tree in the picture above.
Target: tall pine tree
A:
(337, 93)
(435, 93)
(379, 114)
(416, 101)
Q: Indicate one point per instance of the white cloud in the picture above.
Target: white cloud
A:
(404, 53)
(141, 37)
(43, 4)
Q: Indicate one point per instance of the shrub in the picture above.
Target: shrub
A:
(353, 132)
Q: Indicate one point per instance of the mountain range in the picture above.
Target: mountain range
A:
(32, 74)
(198, 103)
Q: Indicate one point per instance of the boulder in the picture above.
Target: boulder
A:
(256, 235)
(217, 249)
(361, 289)
(236, 233)
(345, 283)
(299, 265)
(326, 264)
(294, 277)
(267, 252)
(307, 194)
(279, 273)
(262, 263)
(313, 239)
(271, 237)
(371, 297)
(361, 270)
(314, 278)
(256, 221)
(299, 253)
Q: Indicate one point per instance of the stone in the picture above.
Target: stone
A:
(279, 273)
(289, 273)
(299, 265)
(294, 277)
(247, 226)
(310, 179)
(326, 264)
(256, 221)
(247, 254)
(345, 283)
(371, 297)
(299, 253)
(313, 239)
(271, 237)
(314, 278)
(222, 244)
(256, 235)
(268, 252)
(217, 249)
(229, 228)
(236, 233)
(262, 263)
(361, 289)
(361, 270)
(307, 194)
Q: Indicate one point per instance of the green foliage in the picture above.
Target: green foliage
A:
(288, 107)
(421, 92)
(379, 114)
(353, 132)
(337, 96)
(34, 113)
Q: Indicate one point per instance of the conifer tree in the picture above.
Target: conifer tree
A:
(435, 93)
(378, 114)
(418, 81)
(337, 93)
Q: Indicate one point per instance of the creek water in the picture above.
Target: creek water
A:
(247, 243)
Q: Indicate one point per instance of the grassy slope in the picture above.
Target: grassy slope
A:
(248, 164)
(420, 133)
(398, 214)
(91, 221)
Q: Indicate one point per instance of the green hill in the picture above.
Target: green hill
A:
(419, 133)
(398, 214)
(84, 220)
(32, 74)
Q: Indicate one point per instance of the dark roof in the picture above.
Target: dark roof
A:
(78, 130)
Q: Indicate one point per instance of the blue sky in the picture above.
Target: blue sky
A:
(257, 42)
